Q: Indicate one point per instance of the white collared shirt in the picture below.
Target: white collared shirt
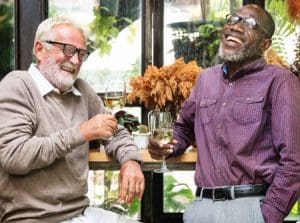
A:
(44, 85)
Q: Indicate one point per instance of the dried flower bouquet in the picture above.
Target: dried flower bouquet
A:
(164, 88)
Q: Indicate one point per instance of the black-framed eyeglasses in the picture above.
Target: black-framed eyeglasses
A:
(247, 22)
(69, 50)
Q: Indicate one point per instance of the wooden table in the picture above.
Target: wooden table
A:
(152, 202)
(99, 160)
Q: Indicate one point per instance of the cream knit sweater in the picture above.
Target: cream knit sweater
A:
(43, 157)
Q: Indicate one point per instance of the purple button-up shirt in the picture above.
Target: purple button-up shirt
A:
(247, 131)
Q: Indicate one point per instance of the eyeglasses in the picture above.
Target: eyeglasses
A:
(70, 50)
(248, 22)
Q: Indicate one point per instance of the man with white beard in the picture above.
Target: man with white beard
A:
(243, 116)
(48, 116)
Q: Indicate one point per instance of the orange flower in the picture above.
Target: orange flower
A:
(164, 87)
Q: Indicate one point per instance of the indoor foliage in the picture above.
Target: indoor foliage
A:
(166, 87)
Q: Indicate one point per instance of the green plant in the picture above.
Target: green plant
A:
(142, 129)
(6, 38)
(105, 27)
(296, 63)
(111, 196)
(176, 195)
(197, 41)
(284, 28)
(129, 121)
(210, 42)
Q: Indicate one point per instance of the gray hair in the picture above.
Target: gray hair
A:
(44, 30)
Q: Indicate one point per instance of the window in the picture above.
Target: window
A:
(191, 29)
(114, 41)
(6, 37)
(114, 37)
(286, 37)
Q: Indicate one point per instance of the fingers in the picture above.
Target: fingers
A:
(158, 151)
(131, 182)
(130, 188)
(141, 191)
(101, 126)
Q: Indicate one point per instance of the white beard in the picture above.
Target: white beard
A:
(58, 78)
(240, 56)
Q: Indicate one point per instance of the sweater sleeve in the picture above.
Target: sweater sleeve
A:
(121, 147)
(20, 150)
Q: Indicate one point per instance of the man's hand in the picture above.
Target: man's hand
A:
(131, 181)
(101, 126)
(158, 151)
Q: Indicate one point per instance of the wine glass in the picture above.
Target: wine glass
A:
(160, 125)
(115, 95)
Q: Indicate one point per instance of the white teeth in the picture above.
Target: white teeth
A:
(234, 39)
(66, 68)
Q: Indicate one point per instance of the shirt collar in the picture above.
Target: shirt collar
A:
(246, 70)
(44, 85)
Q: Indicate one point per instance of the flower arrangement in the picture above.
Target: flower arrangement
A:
(164, 88)
(272, 57)
(294, 10)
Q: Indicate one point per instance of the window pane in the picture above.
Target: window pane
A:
(114, 43)
(284, 40)
(179, 191)
(192, 29)
(103, 193)
(114, 37)
(7, 45)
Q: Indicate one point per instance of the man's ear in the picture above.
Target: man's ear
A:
(266, 43)
(38, 50)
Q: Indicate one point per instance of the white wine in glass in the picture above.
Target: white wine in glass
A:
(115, 95)
(160, 125)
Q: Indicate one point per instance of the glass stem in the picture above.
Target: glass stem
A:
(164, 167)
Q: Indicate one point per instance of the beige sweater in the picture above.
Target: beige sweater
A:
(43, 157)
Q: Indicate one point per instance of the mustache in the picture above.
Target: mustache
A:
(70, 65)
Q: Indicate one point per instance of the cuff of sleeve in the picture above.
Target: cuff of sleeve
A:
(131, 155)
(75, 138)
(271, 214)
(176, 150)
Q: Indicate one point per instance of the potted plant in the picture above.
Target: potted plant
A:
(129, 121)
(164, 88)
(141, 137)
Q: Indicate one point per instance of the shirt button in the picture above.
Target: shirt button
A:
(224, 104)
(248, 99)
(219, 126)
(230, 84)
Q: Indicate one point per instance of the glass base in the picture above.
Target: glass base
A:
(163, 169)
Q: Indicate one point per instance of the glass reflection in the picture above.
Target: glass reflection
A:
(192, 29)
(6, 37)
(113, 27)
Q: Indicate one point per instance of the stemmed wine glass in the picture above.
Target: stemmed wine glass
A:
(115, 95)
(160, 125)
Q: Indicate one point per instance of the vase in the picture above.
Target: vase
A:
(141, 139)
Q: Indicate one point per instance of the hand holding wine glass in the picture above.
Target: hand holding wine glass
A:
(115, 95)
(160, 125)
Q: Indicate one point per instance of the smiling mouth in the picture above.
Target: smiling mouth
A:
(68, 69)
(233, 39)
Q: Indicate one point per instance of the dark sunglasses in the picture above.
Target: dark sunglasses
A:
(69, 50)
(247, 22)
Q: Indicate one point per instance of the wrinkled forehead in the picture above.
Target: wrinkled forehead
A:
(252, 11)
